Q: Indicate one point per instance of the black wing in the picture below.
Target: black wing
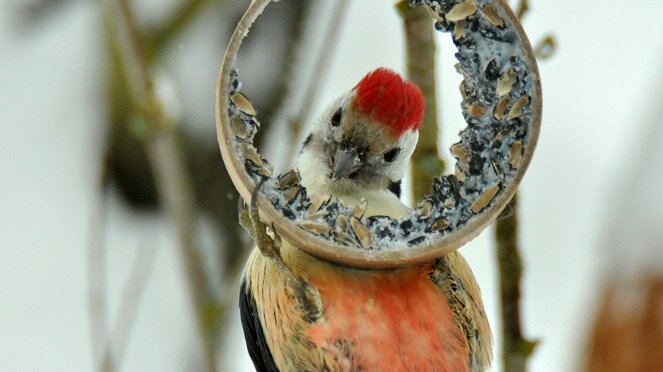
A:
(254, 335)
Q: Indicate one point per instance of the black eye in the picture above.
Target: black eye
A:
(336, 119)
(391, 155)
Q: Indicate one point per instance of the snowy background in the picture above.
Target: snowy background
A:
(600, 90)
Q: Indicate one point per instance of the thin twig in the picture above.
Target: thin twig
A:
(421, 62)
(168, 165)
(319, 74)
(522, 9)
(128, 308)
(515, 349)
(178, 20)
(545, 48)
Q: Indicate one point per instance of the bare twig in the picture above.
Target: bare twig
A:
(177, 21)
(545, 48)
(522, 9)
(319, 75)
(515, 349)
(420, 48)
(168, 165)
(129, 305)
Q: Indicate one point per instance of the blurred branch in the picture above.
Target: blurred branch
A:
(545, 48)
(421, 67)
(177, 22)
(319, 74)
(522, 9)
(168, 165)
(129, 304)
(515, 349)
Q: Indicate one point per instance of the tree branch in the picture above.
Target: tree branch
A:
(515, 349)
(167, 161)
(421, 62)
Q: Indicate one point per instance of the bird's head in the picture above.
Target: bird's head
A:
(364, 140)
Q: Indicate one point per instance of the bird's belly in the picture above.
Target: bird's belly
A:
(387, 321)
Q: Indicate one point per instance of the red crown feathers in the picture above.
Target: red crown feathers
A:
(385, 97)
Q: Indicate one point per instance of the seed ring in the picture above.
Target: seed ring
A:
(501, 93)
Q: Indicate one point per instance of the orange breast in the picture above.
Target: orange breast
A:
(387, 321)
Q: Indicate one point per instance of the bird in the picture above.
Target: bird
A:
(302, 313)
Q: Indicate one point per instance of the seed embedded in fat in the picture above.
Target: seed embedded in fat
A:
(360, 209)
(459, 30)
(343, 238)
(290, 194)
(476, 110)
(498, 169)
(506, 82)
(426, 209)
(516, 154)
(461, 11)
(491, 15)
(318, 215)
(288, 180)
(363, 235)
(239, 128)
(317, 200)
(315, 227)
(484, 199)
(342, 222)
(250, 153)
(439, 225)
(500, 108)
(264, 171)
(517, 107)
(243, 104)
(460, 152)
(459, 174)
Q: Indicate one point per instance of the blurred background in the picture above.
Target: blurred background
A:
(90, 252)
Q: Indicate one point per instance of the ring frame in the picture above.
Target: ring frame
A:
(501, 104)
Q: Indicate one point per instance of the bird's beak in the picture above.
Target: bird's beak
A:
(346, 161)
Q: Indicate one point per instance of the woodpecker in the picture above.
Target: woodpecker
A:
(301, 313)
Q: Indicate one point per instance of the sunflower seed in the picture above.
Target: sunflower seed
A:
(500, 108)
(318, 215)
(360, 209)
(250, 153)
(460, 152)
(516, 154)
(459, 30)
(315, 227)
(506, 82)
(243, 104)
(426, 209)
(439, 225)
(317, 200)
(342, 222)
(459, 173)
(343, 238)
(476, 110)
(484, 199)
(290, 194)
(264, 171)
(289, 179)
(491, 15)
(517, 107)
(363, 235)
(498, 169)
(461, 11)
(239, 128)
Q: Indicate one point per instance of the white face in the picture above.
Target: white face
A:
(346, 153)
